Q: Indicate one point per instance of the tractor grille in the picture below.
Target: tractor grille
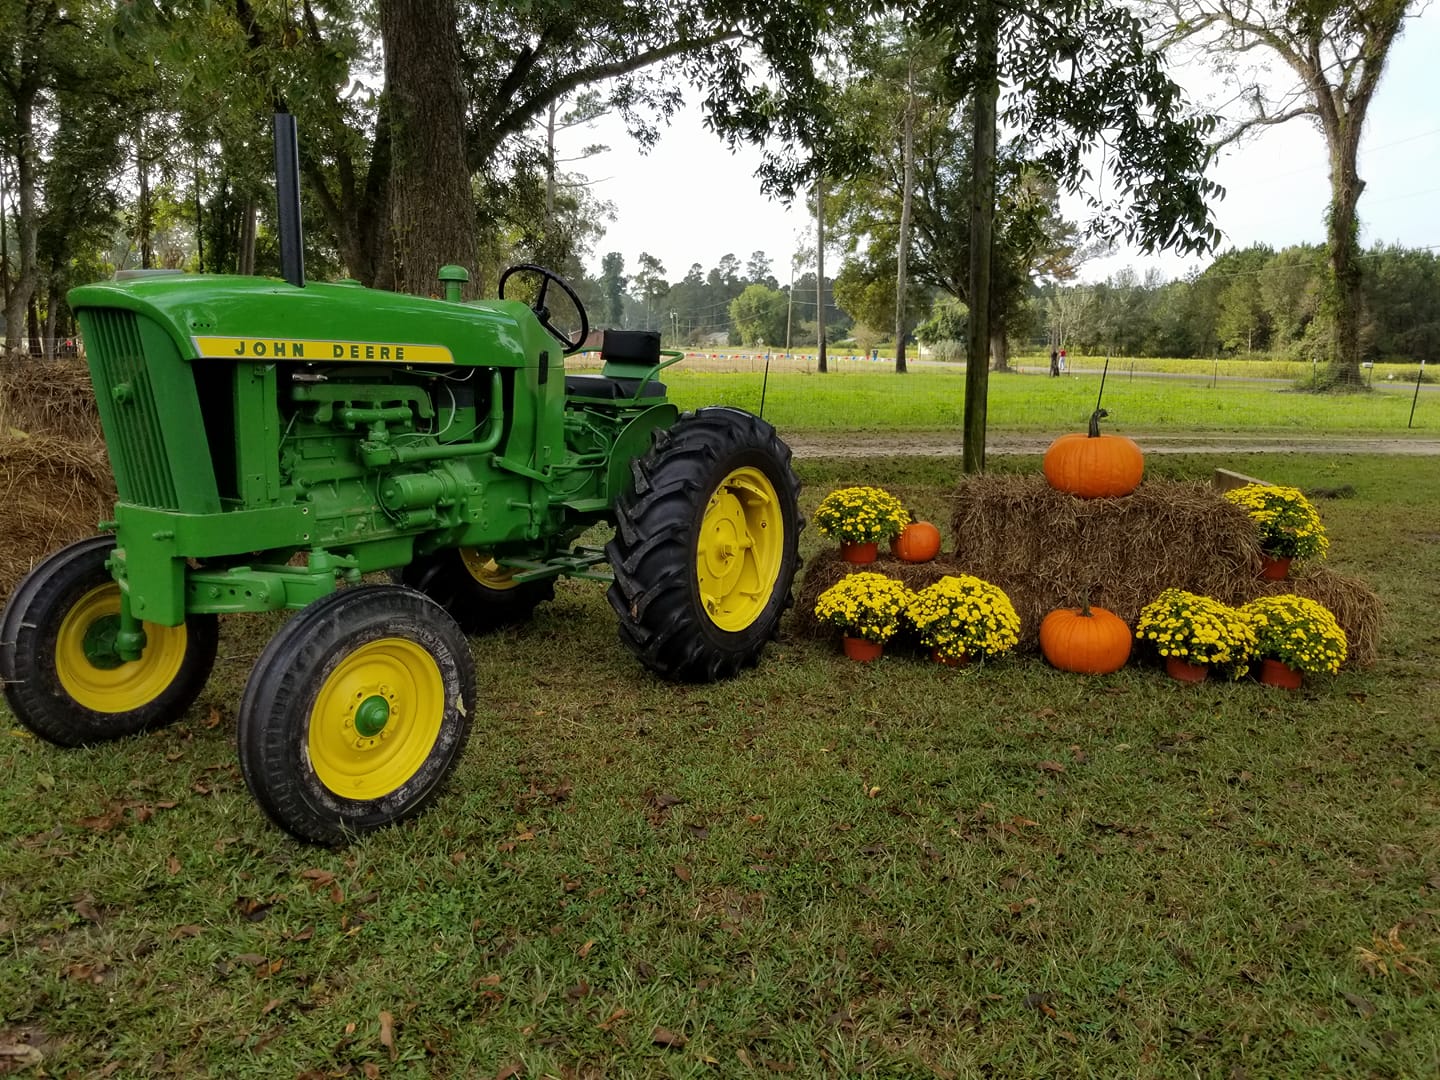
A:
(137, 442)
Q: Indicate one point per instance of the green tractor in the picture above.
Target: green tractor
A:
(274, 440)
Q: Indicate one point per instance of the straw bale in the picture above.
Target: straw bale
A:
(52, 491)
(1048, 549)
(51, 397)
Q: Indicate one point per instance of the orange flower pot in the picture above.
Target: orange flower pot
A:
(949, 661)
(859, 554)
(860, 649)
(1277, 673)
(1184, 671)
(1274, 568)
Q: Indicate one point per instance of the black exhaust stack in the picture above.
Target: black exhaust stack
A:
(287, 195)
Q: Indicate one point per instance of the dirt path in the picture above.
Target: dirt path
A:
(944, 443)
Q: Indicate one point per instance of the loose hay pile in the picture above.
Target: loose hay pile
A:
(55, 482)
(1047, 549)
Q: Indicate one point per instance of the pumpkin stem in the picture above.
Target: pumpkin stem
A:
(1085, 604)
(1099, 412)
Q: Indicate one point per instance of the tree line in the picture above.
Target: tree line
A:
(137, 134)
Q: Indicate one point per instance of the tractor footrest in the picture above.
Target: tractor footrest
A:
(581, 562)
(608, 388)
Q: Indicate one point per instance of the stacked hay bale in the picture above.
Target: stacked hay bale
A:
(1048, 549)
(55, 482)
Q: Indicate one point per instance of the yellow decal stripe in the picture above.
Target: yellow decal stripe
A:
(276, 348)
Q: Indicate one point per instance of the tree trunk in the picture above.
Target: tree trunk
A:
(47, 338)
(999, 344)
(1342, 230)
(982, 220)
(820, 273)
(431, 209)
(22, 283)
(142, 170)
(902, 254)
(245, 258)
(32, 324)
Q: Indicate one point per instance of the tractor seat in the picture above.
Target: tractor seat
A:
(605, 388)
(630, 346)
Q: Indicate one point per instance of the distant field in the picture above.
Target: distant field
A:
(931, 399)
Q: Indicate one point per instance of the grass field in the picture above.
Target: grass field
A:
(820, 868)
(928, 399)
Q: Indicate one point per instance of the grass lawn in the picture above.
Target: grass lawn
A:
(819, 868)
(930, 399)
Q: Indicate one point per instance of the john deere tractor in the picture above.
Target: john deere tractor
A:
(275, 442)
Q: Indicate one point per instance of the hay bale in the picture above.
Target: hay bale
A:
(52, 491)
(51, 397)
(1048, 549)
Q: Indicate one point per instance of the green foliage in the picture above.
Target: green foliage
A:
(758, 314)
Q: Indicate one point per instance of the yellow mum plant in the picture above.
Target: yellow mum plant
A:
(1198, 630)
(964, 616)
(1288, 522)
(861, 515)
(1297, 631)
(864, 606)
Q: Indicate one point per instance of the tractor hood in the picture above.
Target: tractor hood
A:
(213, 316)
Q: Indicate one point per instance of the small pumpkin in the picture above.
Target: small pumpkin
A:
(918, 542)
(1087, 640)
(1092, 465)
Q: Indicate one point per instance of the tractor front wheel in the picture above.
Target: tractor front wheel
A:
(479, 594)
(705, 547)
(58, 664)
(356, 713)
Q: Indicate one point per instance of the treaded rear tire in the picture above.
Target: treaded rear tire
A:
(656, 593)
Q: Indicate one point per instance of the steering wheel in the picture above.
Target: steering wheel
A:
(542, 311)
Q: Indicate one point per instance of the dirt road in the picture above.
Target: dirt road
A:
(943, 443)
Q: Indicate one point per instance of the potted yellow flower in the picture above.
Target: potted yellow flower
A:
(860, 517)
(1289, 525)
(867, 609)
(1295, 636)
(963, 617)
(1195, 633)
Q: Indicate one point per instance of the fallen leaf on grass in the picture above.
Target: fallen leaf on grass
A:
(371, 1070)
(682, 871)
(213, 720)
(91, 973)
(318, 878)
(665, 1037)
(107, 819)
(1041, 1003)
(665, 802)
(1051, 766)
(172, 864)
(611, 1020)
(584, 950)
(23, 1054)
(1364, 1007)
(186, 931)
(270, 1006)
(871, 792)
(578, 991)
(1388, 955)
(509, 1072)
(387, 1032)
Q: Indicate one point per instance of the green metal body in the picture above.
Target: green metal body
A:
(268, 440)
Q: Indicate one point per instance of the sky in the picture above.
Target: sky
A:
(692, 200)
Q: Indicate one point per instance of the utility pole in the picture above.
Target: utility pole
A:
(820, 271)
(902, 254)
(790, 305)
(982, 219)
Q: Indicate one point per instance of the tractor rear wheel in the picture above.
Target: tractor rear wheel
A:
(58, 664)
(705, 547)
(356, 713)
(479, 594)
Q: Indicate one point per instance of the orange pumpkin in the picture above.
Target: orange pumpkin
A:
(1088, 640)
(918, 542)
(1092, 465)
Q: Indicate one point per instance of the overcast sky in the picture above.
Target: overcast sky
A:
(691, 200)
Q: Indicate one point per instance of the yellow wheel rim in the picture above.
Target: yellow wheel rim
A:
(484, 569)
(376, 719)
(105, 683)
(742, 541)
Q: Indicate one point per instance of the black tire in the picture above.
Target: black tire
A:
(300, 730)
(64, 693)
(684, 481)
(456, 579)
